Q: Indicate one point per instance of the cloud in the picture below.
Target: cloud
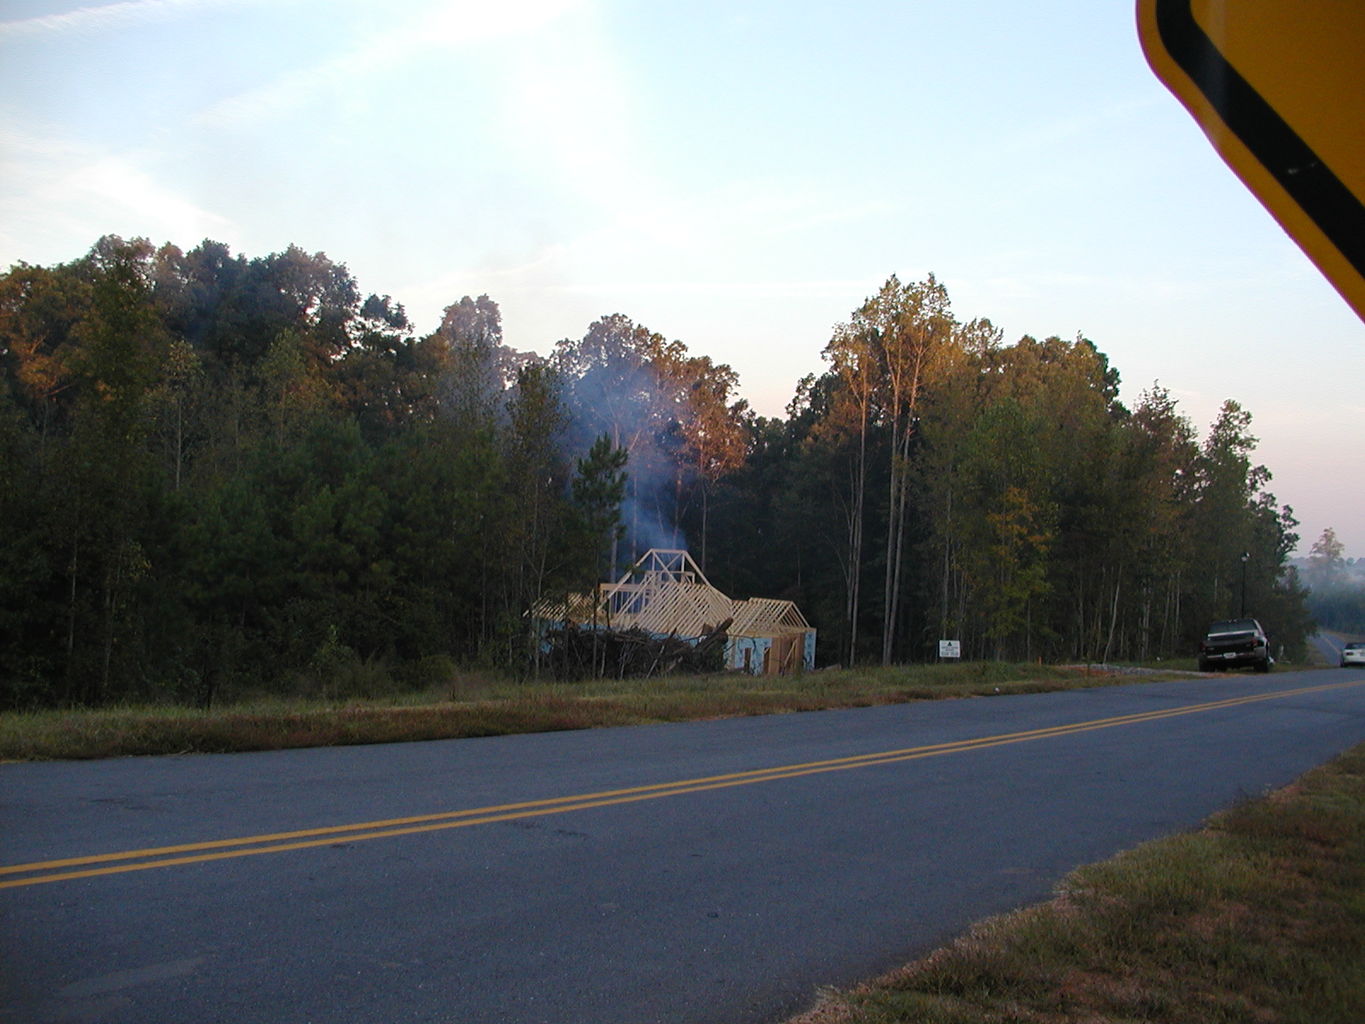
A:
(654, 248)
(435, 27)
(52, 191)
(102, 17)
(119, 181)
(462, 23)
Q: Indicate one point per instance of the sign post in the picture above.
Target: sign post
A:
(1278, 86)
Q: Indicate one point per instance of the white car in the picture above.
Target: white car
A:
(1353, 653)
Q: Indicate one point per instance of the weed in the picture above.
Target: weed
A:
(361, 702)
(1258, 918)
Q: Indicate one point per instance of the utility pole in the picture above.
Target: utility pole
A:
(1245, 555)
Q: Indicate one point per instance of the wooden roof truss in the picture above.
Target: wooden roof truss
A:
(665, 593)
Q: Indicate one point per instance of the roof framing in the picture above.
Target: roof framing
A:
(665, 592)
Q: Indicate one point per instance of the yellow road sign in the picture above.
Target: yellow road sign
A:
(1279, 88)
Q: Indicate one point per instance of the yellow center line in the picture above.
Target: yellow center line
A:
(41, 872)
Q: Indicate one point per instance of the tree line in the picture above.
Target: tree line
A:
(1336, 585)
(946, 485)
(230, 476)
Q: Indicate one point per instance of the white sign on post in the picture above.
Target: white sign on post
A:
(950, 648)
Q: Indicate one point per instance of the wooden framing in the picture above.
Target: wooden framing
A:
(665, 593)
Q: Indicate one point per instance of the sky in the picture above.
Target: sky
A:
(735, 175)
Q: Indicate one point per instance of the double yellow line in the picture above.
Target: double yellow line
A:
(66, 869)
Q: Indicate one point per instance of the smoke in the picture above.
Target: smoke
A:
(615, 384)
(647, 527)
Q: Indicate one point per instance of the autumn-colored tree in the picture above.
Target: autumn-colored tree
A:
(853, 357)
(713, 433)
(907, 326)
(674, 415)
(229, 475)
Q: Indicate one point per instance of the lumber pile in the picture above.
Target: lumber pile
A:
(585, 653)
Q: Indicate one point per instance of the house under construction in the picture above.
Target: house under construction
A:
(665, 594)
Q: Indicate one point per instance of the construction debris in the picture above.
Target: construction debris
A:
(576, 653)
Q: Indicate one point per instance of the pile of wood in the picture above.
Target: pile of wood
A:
(585, 653)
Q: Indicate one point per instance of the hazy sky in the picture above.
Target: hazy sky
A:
(738, 176)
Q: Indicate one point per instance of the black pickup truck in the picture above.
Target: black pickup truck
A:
(1235, 643)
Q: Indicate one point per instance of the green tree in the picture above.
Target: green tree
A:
(854, 361)
(120, 354)
(478, 367)
(40, 309)
(598, 489)
(294, 385)
(1326, 560)
(907, 326)
(1241, 538)
(620, 381)
(176, 402)
(539, 530)
(30, 603)
(379, 378)
(1157, 459)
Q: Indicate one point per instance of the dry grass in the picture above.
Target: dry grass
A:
(1257, 919)
(467, 705)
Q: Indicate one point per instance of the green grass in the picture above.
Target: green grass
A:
(1257, 919)
(480, 706)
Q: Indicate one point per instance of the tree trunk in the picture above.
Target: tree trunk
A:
(892, 518)
(895, 533)
(1113, 617)
(855, 541)
(705, 513)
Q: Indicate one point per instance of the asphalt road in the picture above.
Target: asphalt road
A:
(706, 872)
(1329, 646)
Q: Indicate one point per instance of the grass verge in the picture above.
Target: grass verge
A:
(480, 707)
(1257, 919)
